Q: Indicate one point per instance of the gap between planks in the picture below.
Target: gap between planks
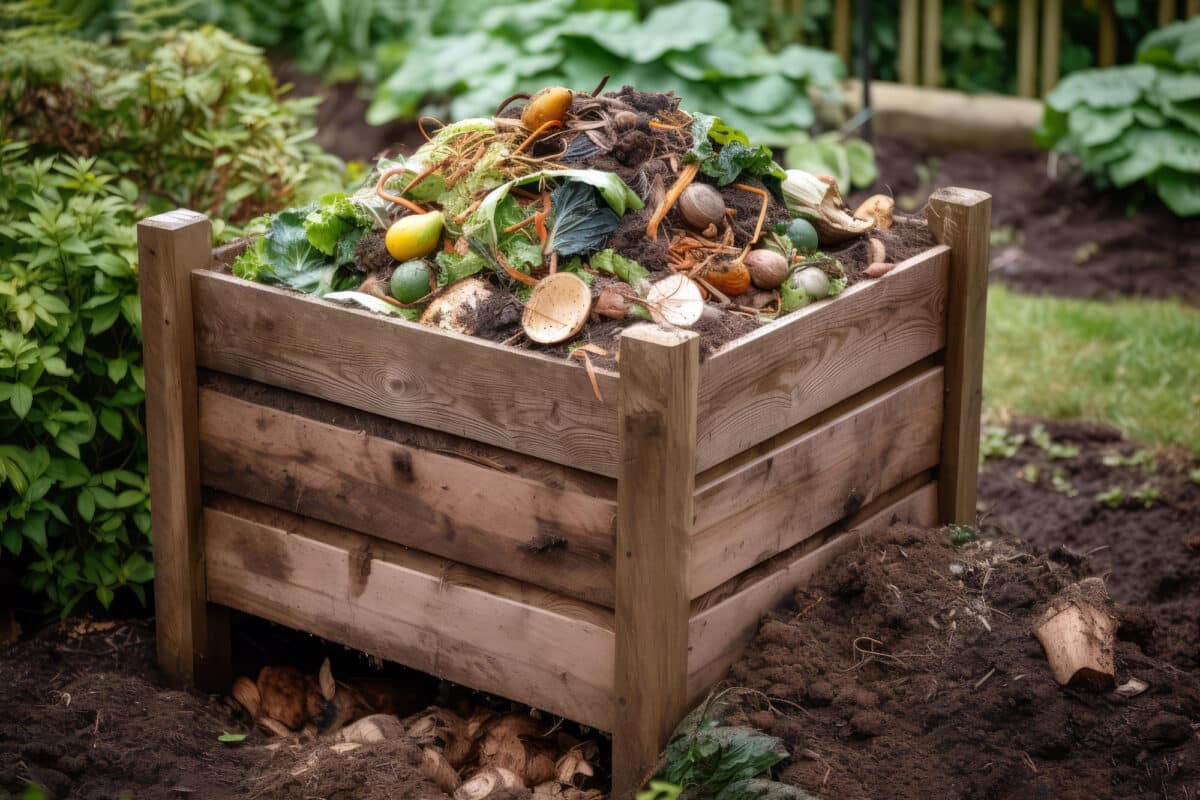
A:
(481, 630)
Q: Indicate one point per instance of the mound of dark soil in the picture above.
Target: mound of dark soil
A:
(1151, 556)
(910, 671)
(1055, 233)
(84, 716)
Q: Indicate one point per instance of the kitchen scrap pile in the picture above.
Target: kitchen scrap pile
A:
(559, 221)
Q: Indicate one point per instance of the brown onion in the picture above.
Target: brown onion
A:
(767, 268)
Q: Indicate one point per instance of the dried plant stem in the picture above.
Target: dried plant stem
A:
(762, 212)
(686, 176)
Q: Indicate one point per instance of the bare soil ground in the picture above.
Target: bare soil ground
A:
(882, 678)
(1053, 232)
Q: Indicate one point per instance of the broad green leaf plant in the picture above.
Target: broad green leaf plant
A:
(1139, 122)
(93, 138)
(475, 53)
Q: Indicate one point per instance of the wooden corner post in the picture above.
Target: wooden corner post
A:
(192, 637)
(656, 478)
(962, 220)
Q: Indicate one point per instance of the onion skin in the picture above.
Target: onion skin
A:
(879, 208)
(768, 268)
(548, 105)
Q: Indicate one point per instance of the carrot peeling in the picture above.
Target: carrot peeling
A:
(545, 126)
(686, 176)
(582, 352)
(517, 226)
(392, 198)
(515, 274)
(762, 212)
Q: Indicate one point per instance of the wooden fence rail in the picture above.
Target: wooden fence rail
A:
(1039, 38)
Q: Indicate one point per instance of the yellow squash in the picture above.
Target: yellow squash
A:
(414, 236)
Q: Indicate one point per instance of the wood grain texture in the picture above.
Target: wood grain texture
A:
(659, 373)
(523, 401)
(718, 633)
(798, 488)
(440, 504)
(170, 246)
(962, 219)
(470, 627)
(812, 359)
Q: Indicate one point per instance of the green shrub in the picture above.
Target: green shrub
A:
(99, 136)
(1139, 122)
(475, 53)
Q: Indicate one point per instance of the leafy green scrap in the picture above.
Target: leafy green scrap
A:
(736, 156)
(625, 269)
(579, 224)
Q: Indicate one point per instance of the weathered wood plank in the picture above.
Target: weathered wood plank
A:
(193, 642)
(659, 369)
(719, 632)
(480, 630)
(440, 504)
(792, 369)
(469, 387)
(801, 486)
(962, 218)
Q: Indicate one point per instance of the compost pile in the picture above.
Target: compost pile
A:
(569, 215)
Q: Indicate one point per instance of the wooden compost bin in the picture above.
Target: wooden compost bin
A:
(474, 511)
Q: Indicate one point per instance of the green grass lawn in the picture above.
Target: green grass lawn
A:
(1132, 363)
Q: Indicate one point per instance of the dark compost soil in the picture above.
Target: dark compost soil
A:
(882, 677)
(1055, 233)
(1151, 556)
(909, 671)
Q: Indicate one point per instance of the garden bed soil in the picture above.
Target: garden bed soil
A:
(1055, 235)
(86, 717)
(1151, 556)
(909, 671)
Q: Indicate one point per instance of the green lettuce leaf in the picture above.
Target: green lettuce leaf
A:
(736, 156)
(614, 263)
(615, 192)
(715, 757)
(286, 257)
(453, 267)
(335, 217)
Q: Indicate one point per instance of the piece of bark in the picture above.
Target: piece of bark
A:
(1078, 632)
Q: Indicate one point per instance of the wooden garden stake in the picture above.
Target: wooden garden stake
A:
(657, 430)
(962, 219)
(192, 636)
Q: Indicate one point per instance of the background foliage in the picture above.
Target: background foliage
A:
(97, 136)
(1139, 122)
(485, 51)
